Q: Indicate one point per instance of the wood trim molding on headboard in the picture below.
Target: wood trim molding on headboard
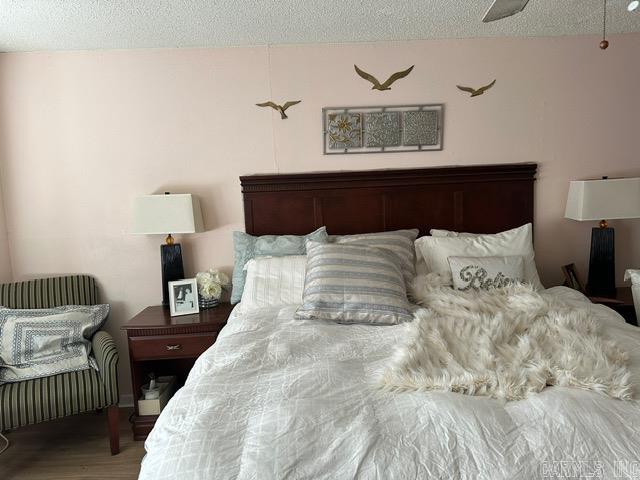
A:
(477, 198)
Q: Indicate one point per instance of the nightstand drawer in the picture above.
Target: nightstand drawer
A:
(170, 346)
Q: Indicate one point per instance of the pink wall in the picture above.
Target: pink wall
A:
(83, 133)
(5, 259)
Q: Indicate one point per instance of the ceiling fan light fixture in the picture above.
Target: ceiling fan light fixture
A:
(633, 5)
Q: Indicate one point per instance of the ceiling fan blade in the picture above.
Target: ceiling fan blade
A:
(504, 8)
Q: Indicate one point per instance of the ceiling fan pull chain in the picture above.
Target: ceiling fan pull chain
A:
(604, 43)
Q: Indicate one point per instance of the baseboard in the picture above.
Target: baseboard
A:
(126, 400)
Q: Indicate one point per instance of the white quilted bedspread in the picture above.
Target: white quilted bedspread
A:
(279, 398)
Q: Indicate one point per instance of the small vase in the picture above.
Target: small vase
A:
(205, 303)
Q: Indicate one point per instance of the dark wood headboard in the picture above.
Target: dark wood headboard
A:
(479, 199)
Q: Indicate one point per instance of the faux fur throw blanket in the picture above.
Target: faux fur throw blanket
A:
(504, 343)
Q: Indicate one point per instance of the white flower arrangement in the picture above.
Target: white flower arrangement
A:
(211, 283)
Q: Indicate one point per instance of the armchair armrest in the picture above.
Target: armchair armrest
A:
(106, 355)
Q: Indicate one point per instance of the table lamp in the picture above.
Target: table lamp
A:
(606, 199)
(167, 214)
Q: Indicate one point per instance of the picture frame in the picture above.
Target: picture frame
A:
(571, 278)
(183, 297)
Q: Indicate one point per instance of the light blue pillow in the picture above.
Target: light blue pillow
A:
(247, 246)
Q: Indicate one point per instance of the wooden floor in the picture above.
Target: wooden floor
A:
(72, 448)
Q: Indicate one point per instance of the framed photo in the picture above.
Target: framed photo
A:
(183, 297)
(571, 279)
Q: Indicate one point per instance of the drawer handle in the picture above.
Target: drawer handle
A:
(174, 347)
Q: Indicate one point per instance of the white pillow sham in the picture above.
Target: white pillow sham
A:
(435, 251)
(274, 281)
(486, 273)
(435, 232)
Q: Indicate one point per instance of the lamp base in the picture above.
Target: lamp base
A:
(172, 269)
(602, 265)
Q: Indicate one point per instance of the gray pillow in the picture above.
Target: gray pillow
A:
(38, 343)
(398, 242)
(353, 284)
(247, 246)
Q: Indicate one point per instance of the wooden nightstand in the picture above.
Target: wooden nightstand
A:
(622, 303)
(167, 345)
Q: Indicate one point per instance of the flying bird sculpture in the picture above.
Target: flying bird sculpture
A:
(387, 84)
(279, 108)
(476, 91)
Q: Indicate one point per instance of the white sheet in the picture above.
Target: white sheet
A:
(282, 398)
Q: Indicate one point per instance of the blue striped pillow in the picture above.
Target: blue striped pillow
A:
(399, 242)
(353, 284)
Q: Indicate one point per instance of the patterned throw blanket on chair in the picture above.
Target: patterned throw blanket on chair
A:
(503, 343)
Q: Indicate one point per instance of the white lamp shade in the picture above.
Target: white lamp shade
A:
(164, 214)
(606, 199)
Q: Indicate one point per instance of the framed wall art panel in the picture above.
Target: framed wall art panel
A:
(382, 129)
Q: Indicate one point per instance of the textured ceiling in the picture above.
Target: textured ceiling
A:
(27, 25)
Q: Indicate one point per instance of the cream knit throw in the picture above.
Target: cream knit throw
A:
(504, 343)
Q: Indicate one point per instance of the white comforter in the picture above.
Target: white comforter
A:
(282, 398)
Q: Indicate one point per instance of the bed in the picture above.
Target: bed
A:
(278, 397)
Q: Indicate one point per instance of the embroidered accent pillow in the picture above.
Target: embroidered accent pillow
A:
(247, 246)
(433, 252)
(485, 273)
(274, 281)
(398, 242)
(38, 343)
(353, 284)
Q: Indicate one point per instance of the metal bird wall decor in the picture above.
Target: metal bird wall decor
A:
(279, 108)
(387, 84)
(476, 91)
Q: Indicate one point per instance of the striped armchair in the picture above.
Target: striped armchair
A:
(42, 399)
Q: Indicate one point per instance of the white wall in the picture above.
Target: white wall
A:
(5, 260)
(83, 133)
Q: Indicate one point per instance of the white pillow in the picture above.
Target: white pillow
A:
(274, 281)
(435, 251)
(485, 273)
(421, 268)
(434, 232)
